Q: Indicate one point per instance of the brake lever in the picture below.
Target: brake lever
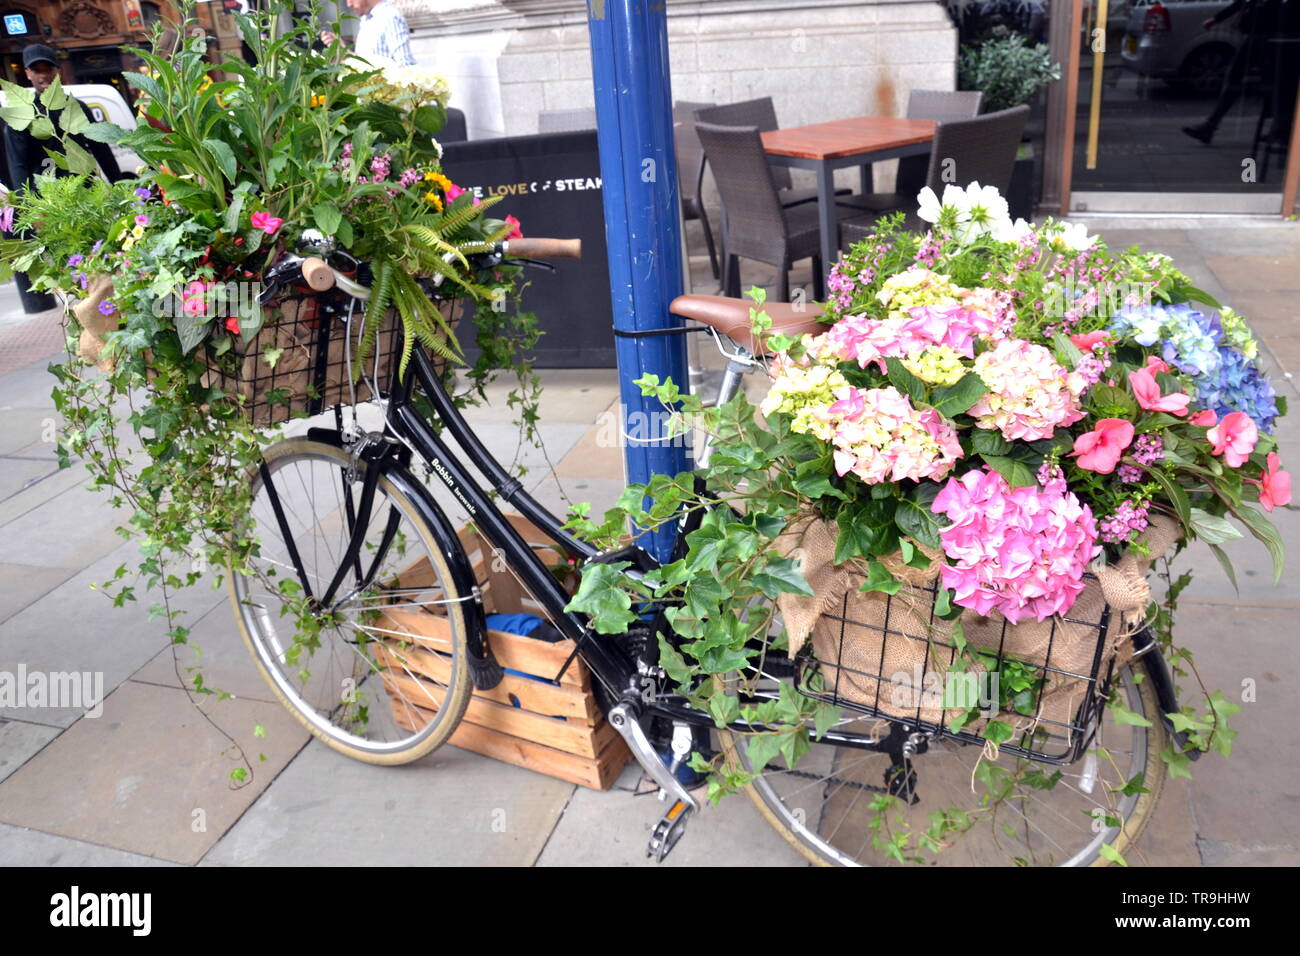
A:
(534, 263)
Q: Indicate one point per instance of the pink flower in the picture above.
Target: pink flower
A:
(1100, 449)
(1274, 484)
(1090, 340)
(266, 222)
(1234, 438)
(1204, 418)
(517, 232)
(1020, 552)
(1028, 395)
(1147, 391)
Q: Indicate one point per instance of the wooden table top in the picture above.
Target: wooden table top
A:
(847, 137)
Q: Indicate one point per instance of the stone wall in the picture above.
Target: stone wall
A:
(818, 59)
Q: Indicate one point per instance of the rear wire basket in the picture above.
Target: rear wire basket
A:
(846, 663)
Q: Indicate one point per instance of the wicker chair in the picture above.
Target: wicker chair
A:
(760, 113)
(454, 130)
(755, 224)
(690, 172)
(566, 121)
(981, 150)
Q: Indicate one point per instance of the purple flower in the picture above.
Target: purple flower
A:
(6, 218)
(81, 278)
(141, 193)
(75, 260)
(94, 250)
(107, 308)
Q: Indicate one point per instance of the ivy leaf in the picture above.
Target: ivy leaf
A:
(602, 599)
(673, 663)
(762, 748)
(1108, 852)
(955, 399)
(879, 579)
(998, 731)
(1017, 473)
(780, 576)
(1211, 528)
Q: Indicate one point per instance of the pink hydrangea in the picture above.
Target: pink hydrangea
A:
(862, 339)
(879, 436)
(1021, 552)
(1029, 394)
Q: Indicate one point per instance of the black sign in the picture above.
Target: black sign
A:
(551, 184)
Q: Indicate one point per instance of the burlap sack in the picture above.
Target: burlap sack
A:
(94, 324)
(892, 654)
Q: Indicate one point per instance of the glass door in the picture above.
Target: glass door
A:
(1185, 105)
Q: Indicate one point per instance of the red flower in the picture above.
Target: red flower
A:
(1090, 340)
(1147, 390)
(232, 325)
(518, 232)
(1100, 449)
(1234, 438)
(1274, 484)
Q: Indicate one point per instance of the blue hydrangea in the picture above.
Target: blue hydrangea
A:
(1223, 378)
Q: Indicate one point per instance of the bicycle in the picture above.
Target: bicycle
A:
(349, 532)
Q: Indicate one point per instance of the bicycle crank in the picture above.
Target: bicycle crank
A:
(625, 718)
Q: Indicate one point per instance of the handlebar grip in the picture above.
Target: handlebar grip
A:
(531, 248)
(317, 274)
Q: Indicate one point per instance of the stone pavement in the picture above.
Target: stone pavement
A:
(147, 782)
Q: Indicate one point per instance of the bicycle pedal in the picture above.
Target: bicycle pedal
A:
(669, 829)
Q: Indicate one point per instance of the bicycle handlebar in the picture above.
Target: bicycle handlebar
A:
(321, 277)
(533, 248)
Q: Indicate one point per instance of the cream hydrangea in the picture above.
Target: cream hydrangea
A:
(917, 287)
(799, 390)
(937, 365)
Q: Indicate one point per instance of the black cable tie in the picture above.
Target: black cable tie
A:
(648, 333)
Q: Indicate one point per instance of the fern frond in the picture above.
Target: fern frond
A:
(450, 222)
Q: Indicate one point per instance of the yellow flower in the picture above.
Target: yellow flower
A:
(318, 99)
(130, 241)
(439, 180)
(138, 231)
(433, 198)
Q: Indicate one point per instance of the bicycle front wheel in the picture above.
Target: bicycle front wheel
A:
(835, 808)
(381, 673)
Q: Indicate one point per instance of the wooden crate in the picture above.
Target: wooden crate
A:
(536, 721)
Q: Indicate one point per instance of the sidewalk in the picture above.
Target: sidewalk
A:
(147, 783)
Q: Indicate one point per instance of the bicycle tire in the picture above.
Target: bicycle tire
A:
(395, 491)
(817, 851)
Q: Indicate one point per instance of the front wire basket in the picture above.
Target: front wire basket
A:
(859, 655)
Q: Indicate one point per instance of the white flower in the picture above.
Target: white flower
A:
(1074, 235)
(1006, 231)
(985, 204)
(930, 208)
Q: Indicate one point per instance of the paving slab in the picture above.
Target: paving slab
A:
(25, 584)
(215, 650)
(20, 741)
(451, 808)
(159, 782)
(20, 428)
(77, 629)
(28, 387)
(613, 829)
(1233, 855)
(22, 847)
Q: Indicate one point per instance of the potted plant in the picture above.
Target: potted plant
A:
(1010, 72)
(304, 150)
(1001, 425)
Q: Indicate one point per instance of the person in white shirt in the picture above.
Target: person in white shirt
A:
(382, 34)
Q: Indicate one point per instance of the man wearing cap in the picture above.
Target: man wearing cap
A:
(26, 153)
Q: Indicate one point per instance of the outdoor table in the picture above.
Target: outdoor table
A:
(826, 147)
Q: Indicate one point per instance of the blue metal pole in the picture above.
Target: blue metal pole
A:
(629, 64)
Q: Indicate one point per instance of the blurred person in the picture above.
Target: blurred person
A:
(382, 34)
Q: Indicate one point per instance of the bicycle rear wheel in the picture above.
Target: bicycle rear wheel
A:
(382, 673)
(833, 806)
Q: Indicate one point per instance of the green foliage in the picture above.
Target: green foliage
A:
(1007, 69)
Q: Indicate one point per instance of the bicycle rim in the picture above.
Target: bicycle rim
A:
(382, 673)
(823, 805)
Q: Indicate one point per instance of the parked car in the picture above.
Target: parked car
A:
(1168, 39)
